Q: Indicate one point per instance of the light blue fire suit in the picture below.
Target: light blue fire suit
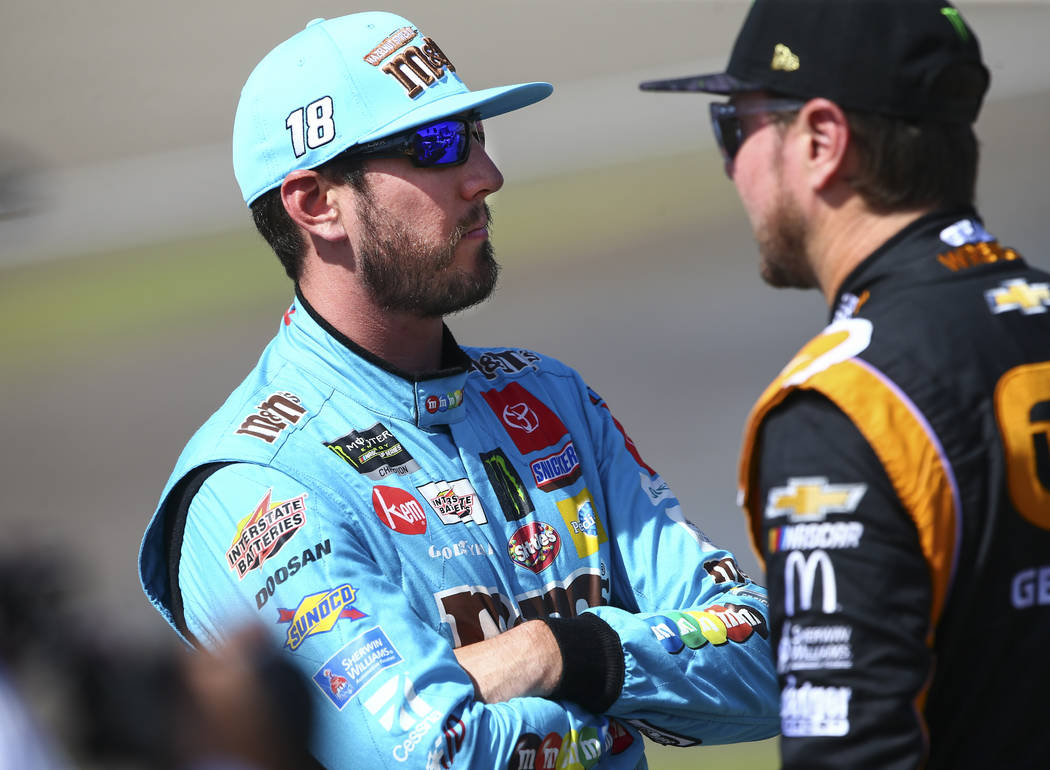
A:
(374, 521)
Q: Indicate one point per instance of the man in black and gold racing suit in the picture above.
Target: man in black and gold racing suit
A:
(896, 474)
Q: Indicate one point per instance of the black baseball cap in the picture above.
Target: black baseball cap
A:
(913, 59)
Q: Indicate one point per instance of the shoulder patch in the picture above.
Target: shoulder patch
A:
(496, 363)
(272, 416)
(1018, 294)
(840, 341)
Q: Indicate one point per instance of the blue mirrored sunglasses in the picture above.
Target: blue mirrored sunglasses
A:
(441, 143)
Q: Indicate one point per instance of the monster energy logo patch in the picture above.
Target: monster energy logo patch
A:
(375, 452)
(952, 15)
(506, 483)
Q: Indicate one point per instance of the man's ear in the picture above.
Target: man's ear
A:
(306, 198)
(826, 133)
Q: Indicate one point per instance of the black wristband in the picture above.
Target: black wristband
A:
(592, 661)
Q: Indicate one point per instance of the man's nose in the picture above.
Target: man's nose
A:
(482, 177)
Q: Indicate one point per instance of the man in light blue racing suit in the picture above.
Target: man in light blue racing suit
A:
(460, 547)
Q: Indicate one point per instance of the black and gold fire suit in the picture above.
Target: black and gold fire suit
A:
(896, 477)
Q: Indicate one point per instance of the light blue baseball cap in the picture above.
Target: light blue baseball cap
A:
(345, 81)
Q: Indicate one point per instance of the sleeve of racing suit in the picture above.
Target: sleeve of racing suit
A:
(389, 690)
(849, 590)
(698, 662)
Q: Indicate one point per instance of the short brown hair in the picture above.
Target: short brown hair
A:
(277, 228)
(908, 163)
(905, 164)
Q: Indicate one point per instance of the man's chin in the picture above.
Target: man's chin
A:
(475, 253)
(781, 278)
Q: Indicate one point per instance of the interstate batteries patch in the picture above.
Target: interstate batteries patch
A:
(262, 533)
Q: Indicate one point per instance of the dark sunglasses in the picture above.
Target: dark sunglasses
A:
(729, 129)
(441, 143)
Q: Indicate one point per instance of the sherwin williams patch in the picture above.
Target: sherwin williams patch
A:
(355, 664)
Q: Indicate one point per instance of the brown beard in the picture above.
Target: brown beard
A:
(404, 274)
(782, 245)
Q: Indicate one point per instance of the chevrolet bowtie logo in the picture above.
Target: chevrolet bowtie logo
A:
(783, 59)
(1018, 294)
(812, 498)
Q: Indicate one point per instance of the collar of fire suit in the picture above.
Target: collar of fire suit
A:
(426, 398)
(912, 251)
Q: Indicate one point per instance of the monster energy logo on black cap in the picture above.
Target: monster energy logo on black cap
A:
(952, 15)
(506, 483)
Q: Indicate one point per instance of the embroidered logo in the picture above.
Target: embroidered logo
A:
(261, 534)
(318, 613)
(394, 41)
(375, 452)
(783, 59)
(812, 498)
(272, 416)
(1018, 294)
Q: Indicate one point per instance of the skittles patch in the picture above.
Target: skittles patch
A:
(534, 546)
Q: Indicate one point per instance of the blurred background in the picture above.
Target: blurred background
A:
(134, 294)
